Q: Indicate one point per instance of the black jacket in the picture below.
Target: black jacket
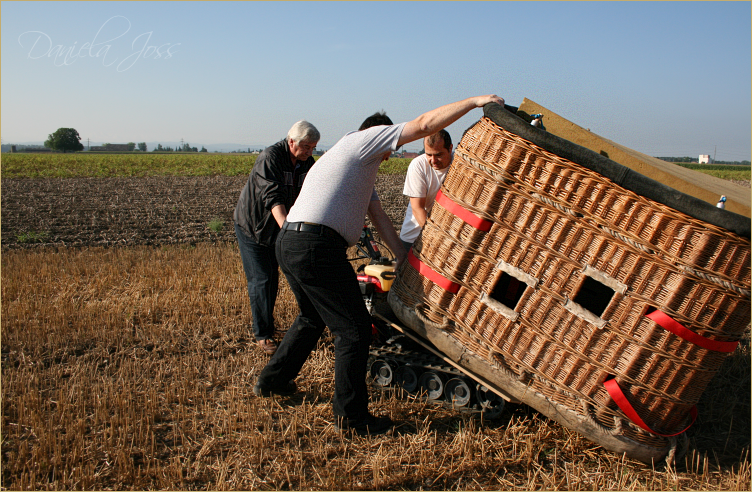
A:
(274, 180)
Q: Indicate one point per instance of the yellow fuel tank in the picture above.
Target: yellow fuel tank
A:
(385, 274)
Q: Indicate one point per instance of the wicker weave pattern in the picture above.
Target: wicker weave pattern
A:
(689, 300)
(660, 228)
(552, 220)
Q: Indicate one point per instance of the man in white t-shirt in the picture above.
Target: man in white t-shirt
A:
(312, 247)
(424, 177)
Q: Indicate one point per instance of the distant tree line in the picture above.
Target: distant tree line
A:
(185, 148)
(68, 140)
(733, 163)
(694, 160)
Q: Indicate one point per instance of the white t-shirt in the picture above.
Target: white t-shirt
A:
(421, 181)
(339, 187)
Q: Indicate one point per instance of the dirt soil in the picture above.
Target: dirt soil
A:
(132, 211)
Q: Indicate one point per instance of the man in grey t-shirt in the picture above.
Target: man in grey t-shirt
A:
(312, 253)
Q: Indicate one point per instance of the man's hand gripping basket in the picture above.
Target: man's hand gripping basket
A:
(597, 296)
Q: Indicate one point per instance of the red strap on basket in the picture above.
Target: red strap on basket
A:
(668, 323)
(463, 213)
(621, 400)
(432, 275)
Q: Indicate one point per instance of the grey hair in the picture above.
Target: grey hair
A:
(303, 131)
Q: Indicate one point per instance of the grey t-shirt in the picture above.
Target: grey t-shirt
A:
(340, 185)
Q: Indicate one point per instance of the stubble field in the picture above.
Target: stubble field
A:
(128, 363)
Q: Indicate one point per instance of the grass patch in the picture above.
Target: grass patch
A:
(31, 237)
(216, 225)
(394, 166)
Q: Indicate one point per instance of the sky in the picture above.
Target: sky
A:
(663, 78)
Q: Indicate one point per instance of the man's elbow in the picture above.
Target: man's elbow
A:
(424, 126)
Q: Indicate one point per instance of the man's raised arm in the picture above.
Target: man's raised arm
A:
(436, 119)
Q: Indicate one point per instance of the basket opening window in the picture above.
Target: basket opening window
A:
(594, 296)
(508, 290)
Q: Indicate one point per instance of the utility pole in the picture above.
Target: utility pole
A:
(714, 149)
(181, 144)
(88, 144)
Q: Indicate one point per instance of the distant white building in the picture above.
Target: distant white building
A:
(704, 159)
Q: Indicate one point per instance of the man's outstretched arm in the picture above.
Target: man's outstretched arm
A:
(436, 119)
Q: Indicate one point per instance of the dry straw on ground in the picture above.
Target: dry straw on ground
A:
(132, 368)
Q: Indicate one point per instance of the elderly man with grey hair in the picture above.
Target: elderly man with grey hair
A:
(271, 189)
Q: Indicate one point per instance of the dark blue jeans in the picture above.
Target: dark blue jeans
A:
(262, 274)
(326, 288)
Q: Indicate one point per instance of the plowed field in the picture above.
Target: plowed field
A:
(134, 211)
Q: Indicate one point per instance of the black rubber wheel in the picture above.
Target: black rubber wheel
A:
(406, 378)
(382, 372)
(458, 392)
(432, 383)
(491, 404)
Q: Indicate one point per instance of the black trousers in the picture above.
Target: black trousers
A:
(325, 285)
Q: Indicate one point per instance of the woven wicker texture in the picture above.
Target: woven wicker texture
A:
(557, 291)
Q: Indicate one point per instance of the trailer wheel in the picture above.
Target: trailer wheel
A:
(406, 378)
(432, 384)
(491, 404)
(382, 372)
(458, 392)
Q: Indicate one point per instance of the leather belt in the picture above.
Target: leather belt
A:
(319, 229)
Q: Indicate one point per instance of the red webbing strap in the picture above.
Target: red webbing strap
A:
(668, 323)
(618, 396)
(431, 275)
(463, 213)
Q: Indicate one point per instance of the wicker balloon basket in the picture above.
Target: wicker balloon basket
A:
(605, 310)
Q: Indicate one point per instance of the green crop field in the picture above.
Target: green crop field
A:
(736, 173)
(79, 165)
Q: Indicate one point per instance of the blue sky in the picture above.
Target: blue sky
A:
(664, 78)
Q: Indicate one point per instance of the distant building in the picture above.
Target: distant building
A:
(23, 148)
(704, 159)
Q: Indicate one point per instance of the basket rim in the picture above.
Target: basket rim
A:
(619, 174)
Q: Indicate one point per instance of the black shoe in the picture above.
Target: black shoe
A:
(266, 391)
(368, 425)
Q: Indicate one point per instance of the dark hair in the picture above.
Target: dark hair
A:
(441, 134)
(376, 119)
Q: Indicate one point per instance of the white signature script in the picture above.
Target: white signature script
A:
(42, 46)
